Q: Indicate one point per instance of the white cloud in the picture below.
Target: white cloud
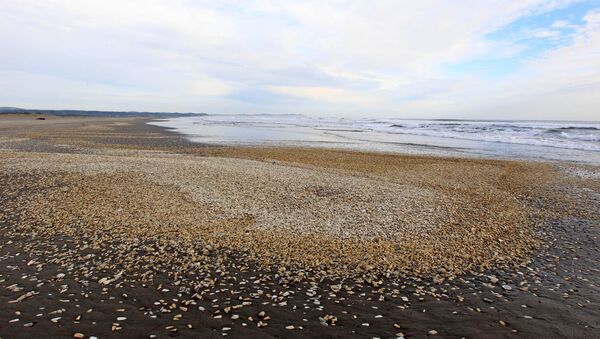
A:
(326, 94)
(559, 84)
(384, 57)
(544, 33)
(561, 24)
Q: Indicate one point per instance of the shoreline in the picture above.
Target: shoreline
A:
(216, 284)
(377, 141)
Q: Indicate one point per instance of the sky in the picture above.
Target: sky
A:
(480, 59)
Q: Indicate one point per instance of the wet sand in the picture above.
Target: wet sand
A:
(112, 227)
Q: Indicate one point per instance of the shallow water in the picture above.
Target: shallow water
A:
(538, 140)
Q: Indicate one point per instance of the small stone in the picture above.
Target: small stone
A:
(433, 332)
(290, 327)
(78, 335)
(104, 281)
(261, 324)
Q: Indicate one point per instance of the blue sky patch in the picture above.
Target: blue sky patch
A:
(534, 35)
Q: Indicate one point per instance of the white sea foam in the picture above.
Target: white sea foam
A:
(582, 136)
(568, 135)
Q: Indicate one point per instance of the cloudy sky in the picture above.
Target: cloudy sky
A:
(524, 59)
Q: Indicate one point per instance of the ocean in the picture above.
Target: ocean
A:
(535, 140)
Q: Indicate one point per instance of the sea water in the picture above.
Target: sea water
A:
(577, 141)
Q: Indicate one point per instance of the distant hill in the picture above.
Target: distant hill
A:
(68, 112)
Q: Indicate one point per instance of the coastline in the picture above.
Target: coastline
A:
(57, 167)
(516, 140)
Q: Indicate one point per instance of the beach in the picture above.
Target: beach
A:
(112, 227)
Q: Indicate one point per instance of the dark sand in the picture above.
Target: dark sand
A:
(555, 294)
